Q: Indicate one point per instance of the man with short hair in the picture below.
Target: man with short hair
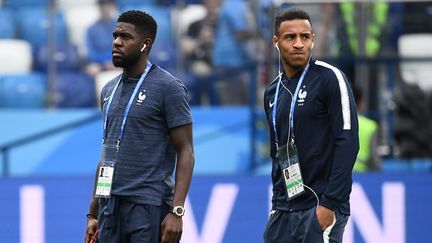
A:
(98, 43)
(313, 124)
(147, 135)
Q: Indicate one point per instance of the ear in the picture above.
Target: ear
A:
(313, 41)
(143, 47)
(146, 44)
(275, 42)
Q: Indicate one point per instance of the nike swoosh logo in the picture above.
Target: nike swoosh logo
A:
(271, 104)
(106, 98)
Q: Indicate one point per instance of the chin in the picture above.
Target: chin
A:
(299, 62)
(118, 63)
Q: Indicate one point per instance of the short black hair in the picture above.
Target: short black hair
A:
(290, 14)
(143, 21)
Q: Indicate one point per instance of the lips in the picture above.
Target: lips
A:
(298, 55)
(117, 53)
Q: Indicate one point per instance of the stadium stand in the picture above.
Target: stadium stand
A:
(186, 16)
(125, 3)
(23, 91)
(34, 26)
(65, 57)
(73, 90)
(164, 54)
(24, 39)
(18, 4)
(77, 27)
(164, 51)
(162, 15)
(7, 24)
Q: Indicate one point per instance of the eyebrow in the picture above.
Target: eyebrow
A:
(301, 33)
(121, 32)
(295, 34)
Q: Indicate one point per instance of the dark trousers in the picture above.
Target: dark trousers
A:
(122, 221)
(303, 227)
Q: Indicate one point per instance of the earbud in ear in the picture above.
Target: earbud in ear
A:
(277, 46)
(312, 45)
(144, 46)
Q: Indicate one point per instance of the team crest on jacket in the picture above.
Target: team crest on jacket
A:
(301, 96)
(141, 97)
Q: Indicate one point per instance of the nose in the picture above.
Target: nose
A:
(117, 41)
(298, 43)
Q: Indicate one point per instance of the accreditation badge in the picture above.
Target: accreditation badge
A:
(290, 167)
(104, 179)
(106, 172)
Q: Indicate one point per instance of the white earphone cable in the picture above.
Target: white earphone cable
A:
(289, 128)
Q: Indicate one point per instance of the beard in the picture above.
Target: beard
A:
(126, 61)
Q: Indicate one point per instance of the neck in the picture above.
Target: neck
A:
(137, 69)
(291, 71)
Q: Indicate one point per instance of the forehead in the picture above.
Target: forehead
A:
(123, 27)
(295, 26)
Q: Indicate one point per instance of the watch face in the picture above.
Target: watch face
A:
(178, 210)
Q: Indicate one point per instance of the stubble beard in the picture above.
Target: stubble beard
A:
(294, 64)
(124, 62)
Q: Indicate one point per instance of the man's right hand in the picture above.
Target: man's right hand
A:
(90, 230)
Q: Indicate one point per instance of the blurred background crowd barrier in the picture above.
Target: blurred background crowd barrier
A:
(219, 209)
(55, 57)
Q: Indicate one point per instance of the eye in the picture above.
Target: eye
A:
(305, 36)
(291, 37)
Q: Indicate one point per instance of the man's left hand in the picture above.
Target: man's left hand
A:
(171, 229)
(325, 216)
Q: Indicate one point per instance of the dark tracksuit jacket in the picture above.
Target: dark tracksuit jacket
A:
(326, 136)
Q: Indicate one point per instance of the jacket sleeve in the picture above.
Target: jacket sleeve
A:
(344, 124)
(268, 111)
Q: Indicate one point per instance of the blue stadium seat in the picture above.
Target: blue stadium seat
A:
(23, 91)
(164, 54)
(174, 2)
(34, 26)
(66, 57)
(7, 24)
(73, 90)
(17, 4)
(123, 3)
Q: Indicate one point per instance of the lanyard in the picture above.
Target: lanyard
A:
(126, 113)
(293, 101)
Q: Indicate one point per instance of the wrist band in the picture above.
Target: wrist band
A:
(92, 215)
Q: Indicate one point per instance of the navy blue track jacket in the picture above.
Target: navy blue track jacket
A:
(326, 136)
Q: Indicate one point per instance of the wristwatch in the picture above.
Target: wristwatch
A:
(179, 211)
